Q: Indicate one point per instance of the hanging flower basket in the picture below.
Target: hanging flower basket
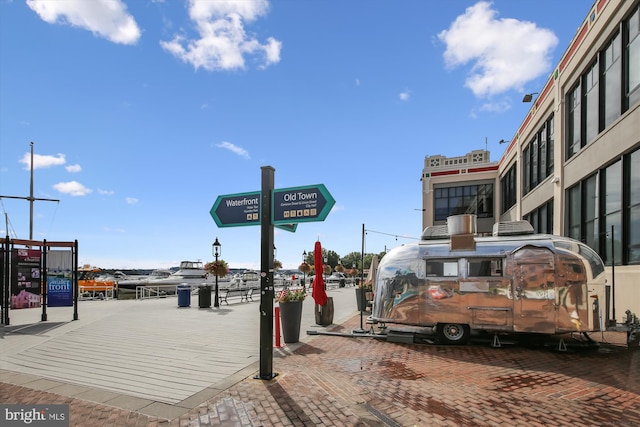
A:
(339, 268)
(217, 268)
(327, 269)
(304, 267)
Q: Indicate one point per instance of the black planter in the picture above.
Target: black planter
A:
(291, 317)
(361, 298)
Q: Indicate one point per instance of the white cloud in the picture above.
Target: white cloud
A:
(105, 192)
(234, 149)
(41, 162)
(131, 200)
(108, 19)
(505, 53)
(223, 42)
(72, 188)
(73, 168)
(404, 96)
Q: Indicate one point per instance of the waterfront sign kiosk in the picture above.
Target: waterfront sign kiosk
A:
(282, 208)
(25, 281)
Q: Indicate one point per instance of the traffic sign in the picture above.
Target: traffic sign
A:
(301, 204)
(233, 210)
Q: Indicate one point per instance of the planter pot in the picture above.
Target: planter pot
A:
(324, 313)
(362, 297)
(291, 317)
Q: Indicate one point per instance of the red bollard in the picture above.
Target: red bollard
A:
(277, 317)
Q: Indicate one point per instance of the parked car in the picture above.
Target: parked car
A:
(336, 277)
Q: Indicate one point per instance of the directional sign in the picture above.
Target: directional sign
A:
(233, 210)
(301, 204)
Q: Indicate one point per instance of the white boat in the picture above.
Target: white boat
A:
(190, 273)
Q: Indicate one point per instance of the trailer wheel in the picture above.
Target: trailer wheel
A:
(453, 333)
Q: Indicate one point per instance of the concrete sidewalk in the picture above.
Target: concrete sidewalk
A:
(148, 356)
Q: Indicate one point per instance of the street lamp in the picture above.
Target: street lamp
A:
(216, 253)
(304, 273)
(528, 97)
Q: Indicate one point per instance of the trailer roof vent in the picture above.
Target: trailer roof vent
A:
(512, 228)
(434, 232)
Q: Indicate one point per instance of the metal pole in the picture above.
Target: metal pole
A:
(266, 276)
(216, 303)
(31, 198)
(613, 277)
(362, 291)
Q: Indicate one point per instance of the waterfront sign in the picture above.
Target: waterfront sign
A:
(233, 210)
(301, 204)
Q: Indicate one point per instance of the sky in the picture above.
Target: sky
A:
(143, 112)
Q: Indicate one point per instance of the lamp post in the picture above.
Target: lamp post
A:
(325, 276)
(216, 253)
(304, 273)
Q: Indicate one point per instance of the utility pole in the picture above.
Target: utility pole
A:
(31, 199)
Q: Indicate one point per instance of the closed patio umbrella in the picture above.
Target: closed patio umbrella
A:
(319, 293)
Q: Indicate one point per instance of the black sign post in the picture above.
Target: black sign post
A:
(266, 277)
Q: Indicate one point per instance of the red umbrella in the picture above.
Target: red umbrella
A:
(319, 293)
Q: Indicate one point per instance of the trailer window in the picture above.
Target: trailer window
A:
(442, 268)
(485, 267)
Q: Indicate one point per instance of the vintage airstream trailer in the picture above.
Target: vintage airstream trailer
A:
(512, 281)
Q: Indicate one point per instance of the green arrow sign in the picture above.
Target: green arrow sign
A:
(290, 206)
(301, 204)
(233, 210)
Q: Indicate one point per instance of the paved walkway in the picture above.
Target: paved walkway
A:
(196, 367)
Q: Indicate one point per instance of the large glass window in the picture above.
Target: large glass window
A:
(508, 189)
(590, 203)
(611, 82)
(610, 197)
(573, 121)
(590, 107)
(467, 199)
(633, 249)
(537, 157)
(612, 177)
(541, 219)
(574, 217)
(632, 27)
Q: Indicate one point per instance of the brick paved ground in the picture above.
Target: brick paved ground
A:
(339, 381)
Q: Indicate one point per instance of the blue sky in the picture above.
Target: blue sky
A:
(143, 112)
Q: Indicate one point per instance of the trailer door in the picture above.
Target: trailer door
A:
(533, 290)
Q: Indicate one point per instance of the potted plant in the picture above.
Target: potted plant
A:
(290, 302)
(364, 294)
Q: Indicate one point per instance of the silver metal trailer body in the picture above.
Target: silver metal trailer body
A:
(514, 281)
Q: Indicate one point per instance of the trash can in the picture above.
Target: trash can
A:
(204, 296)
(184, 296)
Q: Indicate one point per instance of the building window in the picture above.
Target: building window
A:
(590, 214)
(537, 157)
(609, 198)
(632, 56)
(611, 87)
(590, 105)
(573, 121)
(541, 219)
(632, 175)
(612, 209)
(467, 199)
(508, 194)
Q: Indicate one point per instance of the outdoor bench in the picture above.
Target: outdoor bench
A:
(244, 294)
